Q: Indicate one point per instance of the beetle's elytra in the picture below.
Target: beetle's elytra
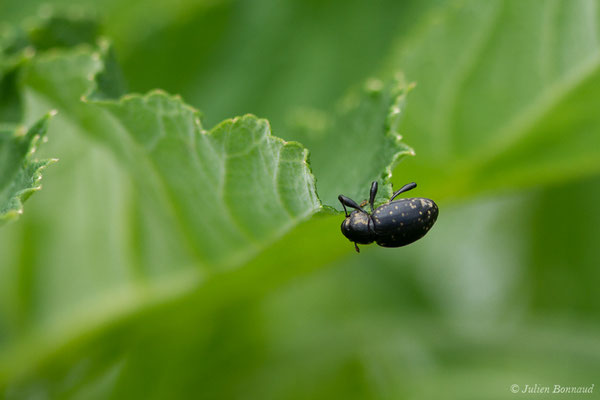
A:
(393, 224)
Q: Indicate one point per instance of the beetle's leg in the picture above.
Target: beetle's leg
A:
(405, 188)
(356, 247)
(350, 203)
(373, 194)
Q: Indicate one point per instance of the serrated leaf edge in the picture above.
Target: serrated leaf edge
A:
(33, 135)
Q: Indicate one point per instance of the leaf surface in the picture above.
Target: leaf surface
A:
(505, 95)
(120, 289)
(20, 173)
(146, 204)
(359, 143)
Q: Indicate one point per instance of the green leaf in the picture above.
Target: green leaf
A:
(43, 33)
(230, 190)
(233, 189)
(360, 143)
(103, 293)
(20, 174)
(505, 95)
(158, 250)
(177, 202)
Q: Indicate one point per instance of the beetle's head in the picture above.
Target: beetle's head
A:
(358, 227)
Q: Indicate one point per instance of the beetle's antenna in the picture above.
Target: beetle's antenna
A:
(343, 205)
(405, 188)
(373, 194)
(356, 247)
(350, 203)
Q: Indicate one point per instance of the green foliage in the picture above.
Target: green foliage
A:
(367, 144)
(173, 256)
(20, 175)
(506, 102)
(232, 189)
(189, 202)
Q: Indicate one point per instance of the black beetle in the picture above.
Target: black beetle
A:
(393, 224)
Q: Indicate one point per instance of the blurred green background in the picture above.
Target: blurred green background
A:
(505, 124)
